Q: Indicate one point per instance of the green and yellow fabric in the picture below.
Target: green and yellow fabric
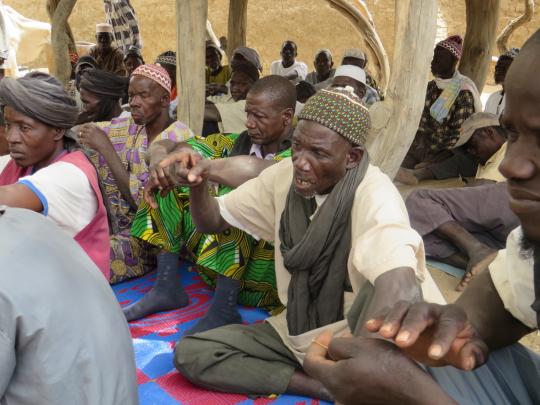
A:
(232, 253)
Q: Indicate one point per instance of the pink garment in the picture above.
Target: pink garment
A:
(94, 237)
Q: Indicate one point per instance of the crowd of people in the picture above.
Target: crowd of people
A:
(277, 204)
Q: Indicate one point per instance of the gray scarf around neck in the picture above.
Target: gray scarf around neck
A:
(316, 253)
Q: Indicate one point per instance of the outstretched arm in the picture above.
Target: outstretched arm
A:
(236, 170)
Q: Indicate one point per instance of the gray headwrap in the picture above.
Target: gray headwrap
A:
(40, 97)
(250, 55)
(103, 83)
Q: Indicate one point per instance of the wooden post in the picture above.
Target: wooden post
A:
(395, 120)
(358, 14)
(482, 19)
(502, 39)
(61, 36)
(191, 35)
(236, 34)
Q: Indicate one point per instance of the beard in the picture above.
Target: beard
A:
(529, 248)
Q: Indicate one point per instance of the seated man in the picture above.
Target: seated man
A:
(355, 57)
(47, 173)
(227, 115)
(215, 72)
(324, 72)
(118, 149)
(499, 307)
(496, 101)
(63, 338)
(344, 240)
(355, 77)
(288, 66)
(241, 268)
(451, 98)
(242, 54)
(304, 91)
(466, 226)
(107, 56)
(101, 94)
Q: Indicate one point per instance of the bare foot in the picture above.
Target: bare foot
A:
(477, 263)
(407, 177)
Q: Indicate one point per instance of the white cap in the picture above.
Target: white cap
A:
(354, 53)
(104, 27)
(354, 72)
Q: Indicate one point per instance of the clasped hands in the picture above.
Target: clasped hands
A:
(183, 167)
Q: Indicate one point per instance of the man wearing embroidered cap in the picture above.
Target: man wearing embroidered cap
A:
(450, 99)
(342, 238)
(119, 150)
(465, 226)
(108, 57)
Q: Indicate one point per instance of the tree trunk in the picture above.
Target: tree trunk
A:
(482, 19)
(360, 17)
(236, 35)
(502, 39)
(61, 37)
(191, 35)
(395, 120)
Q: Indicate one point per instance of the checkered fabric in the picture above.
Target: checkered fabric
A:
(454, 44)
(156, 73)
(121, 15)
(445, 135)
(155, 336)
(341, 111)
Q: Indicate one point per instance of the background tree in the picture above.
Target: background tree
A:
(62, 40)
(502, 39)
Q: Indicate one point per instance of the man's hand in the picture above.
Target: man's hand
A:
(93, 137)
(435, 335)
(184, 167)
(364, 370)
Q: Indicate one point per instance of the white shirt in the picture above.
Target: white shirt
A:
(300, 68)
(513, 277)
(4, 160)
(381, 240)
(495, 103)
(66, 195)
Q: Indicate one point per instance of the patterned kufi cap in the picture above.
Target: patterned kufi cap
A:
(510, 54)
(155, 73)
(341, 111)
(454, 44)
(166, 59)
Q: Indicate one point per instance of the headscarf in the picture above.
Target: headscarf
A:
(250, 55)
(104, 83)
(155, 73)
(134, 51)
(87, 60)
(341, 111)
(41, 97)
(454, 44)
(247, 68)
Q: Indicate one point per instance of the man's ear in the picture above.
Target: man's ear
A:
(354, 156)
(287, 114)
(362, 90)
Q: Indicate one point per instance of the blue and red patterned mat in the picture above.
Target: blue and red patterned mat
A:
(155, 336)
